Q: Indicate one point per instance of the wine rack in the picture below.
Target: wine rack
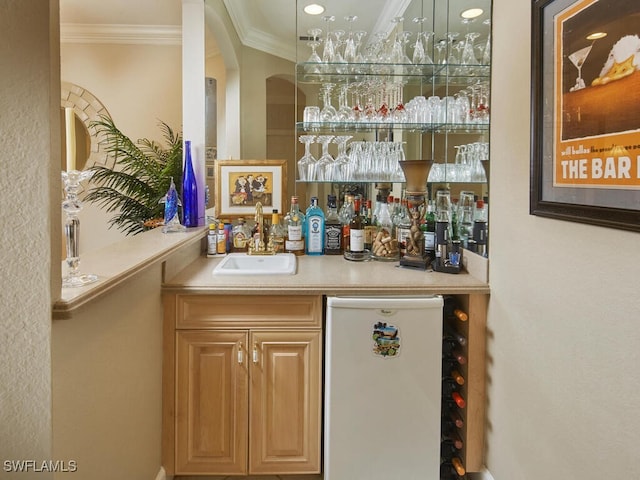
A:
(463, 386)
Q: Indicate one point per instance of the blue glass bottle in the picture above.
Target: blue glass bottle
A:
(314, 229)
(189, 190)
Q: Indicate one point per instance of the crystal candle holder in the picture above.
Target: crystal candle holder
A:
(71, 205)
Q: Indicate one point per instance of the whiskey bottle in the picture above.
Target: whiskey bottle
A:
(332, 229)
(294, 240)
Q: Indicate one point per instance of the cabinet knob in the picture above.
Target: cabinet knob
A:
(240, 354)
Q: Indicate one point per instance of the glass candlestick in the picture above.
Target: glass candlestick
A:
(72, 206)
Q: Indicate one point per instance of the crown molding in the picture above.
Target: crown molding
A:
(120, 34)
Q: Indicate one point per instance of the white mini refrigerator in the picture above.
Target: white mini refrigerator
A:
(382, 388)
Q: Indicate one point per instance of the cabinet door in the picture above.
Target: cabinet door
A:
(211, 402)
(285, 396)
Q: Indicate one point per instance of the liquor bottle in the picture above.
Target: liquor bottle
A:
(314, 229)
(189, 190)
(332, 229)
(221, 240)
(430, 231)
(276, 232)
(403, 226)
(294, 240)
(369, 227)
(241, 235)
(346, 214)
(356, 234)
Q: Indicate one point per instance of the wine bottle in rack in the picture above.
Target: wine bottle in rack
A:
(457, 377)
(453, 438)
(454, 334)
(459, 400)
(456, 419)
(452, 310)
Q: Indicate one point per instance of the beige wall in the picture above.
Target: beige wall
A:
(30, 159)
(139, 85)
(107, 383)
(563, 394)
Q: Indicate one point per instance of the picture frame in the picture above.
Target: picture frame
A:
(585, 95)
(241, 184)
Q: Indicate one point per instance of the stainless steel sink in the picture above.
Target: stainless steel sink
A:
(243, 264)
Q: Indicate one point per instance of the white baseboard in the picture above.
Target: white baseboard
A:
(162, 475)
(484, 475)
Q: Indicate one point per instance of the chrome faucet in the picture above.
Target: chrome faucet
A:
(257, 246)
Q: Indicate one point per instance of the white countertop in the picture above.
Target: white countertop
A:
(327, 275)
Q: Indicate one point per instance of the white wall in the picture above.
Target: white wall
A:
(139, 85)
(30, 179)
(563, 393)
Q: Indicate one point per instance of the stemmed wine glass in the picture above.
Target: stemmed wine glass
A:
(328, 51)
(341, 167)
(468, 54)
(350, 43)
(451, 56)
(308, 163)
(314, 43)
(486, 54)
(325, 162)
(328, 112)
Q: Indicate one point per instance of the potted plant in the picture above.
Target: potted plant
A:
(140, 178)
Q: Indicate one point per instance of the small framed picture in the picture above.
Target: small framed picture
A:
(241, 184)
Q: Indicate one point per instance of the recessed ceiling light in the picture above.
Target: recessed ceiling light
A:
(472, 13)
(313, 9)
(596, 35)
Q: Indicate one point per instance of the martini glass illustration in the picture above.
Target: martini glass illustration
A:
(578, 58)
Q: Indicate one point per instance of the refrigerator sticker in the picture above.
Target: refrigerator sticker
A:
(386, 342)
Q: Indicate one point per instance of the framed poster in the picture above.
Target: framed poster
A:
(241, 184)
(585, 126)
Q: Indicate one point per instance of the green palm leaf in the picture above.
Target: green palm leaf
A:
(141, 176)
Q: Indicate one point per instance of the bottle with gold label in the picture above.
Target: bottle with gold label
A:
(294, 221)
(241, 234)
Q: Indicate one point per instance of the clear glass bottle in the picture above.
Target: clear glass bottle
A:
(314, 229)
(403, 226)
(332, 228)
(430, 231)
(384, 244)
(294, 240)
(277, 233)
(346, 214)
(356, 250)
(212, 240)
(241, 234)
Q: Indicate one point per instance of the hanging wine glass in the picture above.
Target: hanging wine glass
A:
(418, 47)
(440, 49)
(307, 163)
(359, 35)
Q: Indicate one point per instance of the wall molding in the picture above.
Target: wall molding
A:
(86, 33)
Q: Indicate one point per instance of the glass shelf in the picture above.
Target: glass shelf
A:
(332, 127)
(316, 73)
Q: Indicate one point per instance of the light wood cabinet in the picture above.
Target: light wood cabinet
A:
(245, 400)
